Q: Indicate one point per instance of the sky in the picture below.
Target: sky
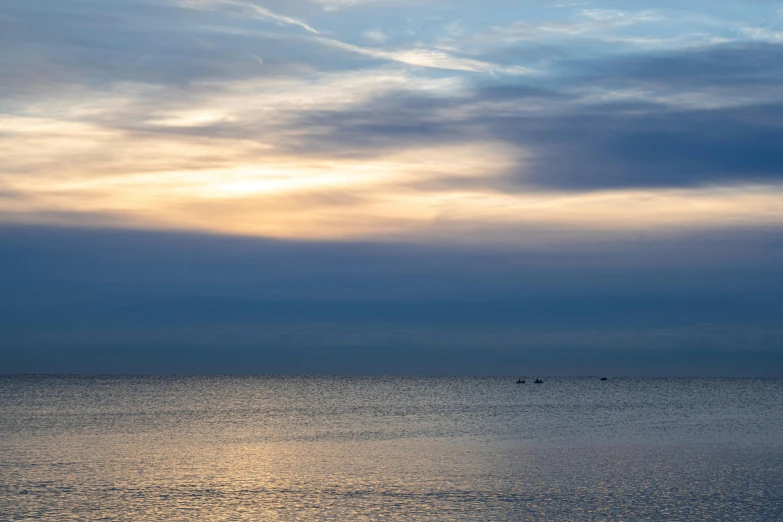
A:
(392, 186)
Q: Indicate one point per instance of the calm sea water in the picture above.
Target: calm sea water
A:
(332, 448)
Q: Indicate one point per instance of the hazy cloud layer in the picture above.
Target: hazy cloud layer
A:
(157, 302)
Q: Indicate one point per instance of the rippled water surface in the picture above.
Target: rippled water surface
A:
(332, 448)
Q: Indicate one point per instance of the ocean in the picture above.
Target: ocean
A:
(147, 448)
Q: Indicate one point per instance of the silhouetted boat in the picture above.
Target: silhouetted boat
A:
(520, 381)
(538, 381)
(604, 379)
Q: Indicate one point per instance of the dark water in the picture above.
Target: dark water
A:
(261, 448)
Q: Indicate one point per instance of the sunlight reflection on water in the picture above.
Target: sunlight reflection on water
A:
(198, 448)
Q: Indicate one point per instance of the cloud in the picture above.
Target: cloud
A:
(653, 149)
(730, 65)
(115, 291)
(375, 36)
(335, 5)
(623, 17)
(426, 137)
(763, 34)
(571, 139)
(431, 58)
(53, 52)
(248, 7)
(588, 24)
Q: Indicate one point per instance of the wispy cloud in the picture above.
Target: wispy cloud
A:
(251, 8)
(762, 34)
(431, 58)
(375, 36)
(622, 17)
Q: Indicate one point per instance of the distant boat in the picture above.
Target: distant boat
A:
(538, 381)
(604, 379)
(520, 381)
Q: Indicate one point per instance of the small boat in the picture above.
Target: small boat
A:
(520, 381)
(538, 381)
(604, 379)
